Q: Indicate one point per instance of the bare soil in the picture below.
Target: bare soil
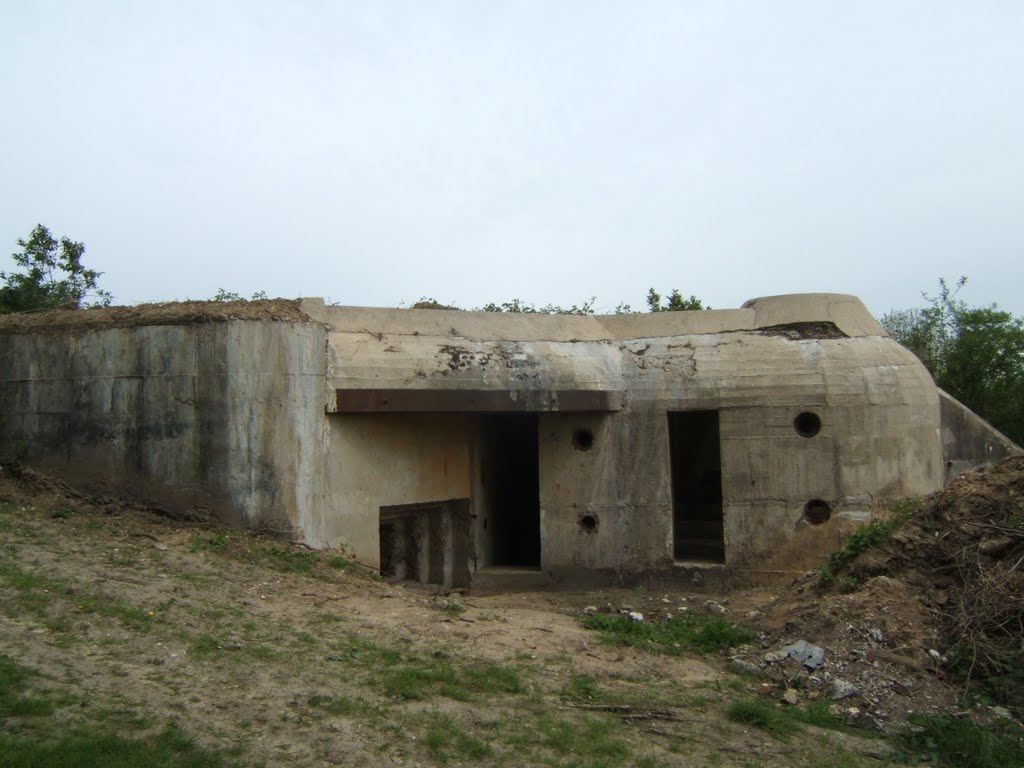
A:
(288, 657)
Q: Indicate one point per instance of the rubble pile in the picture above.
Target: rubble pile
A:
(933, 612)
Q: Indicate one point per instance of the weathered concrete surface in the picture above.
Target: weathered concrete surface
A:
(222, 418)
(758, 367)
(244, 419)
(968, 440)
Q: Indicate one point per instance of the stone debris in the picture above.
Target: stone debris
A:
(791, 696)
(712, 607)
(841, 689)
(810, 655)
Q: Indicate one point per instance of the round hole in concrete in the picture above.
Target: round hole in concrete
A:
(588, 522)
(583, 439)
(807, 424)
(817, 511)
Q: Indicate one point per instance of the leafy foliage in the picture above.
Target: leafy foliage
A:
(674, 302)
(974, 353)
(52, 276)
(946, 740)
(516, 306)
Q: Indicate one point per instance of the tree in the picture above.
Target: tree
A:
(974, 353)
(675, 302)
(53, 276)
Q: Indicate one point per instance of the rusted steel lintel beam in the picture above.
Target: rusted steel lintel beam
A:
(475, 401)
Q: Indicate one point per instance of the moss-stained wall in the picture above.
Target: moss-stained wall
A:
(224, 418)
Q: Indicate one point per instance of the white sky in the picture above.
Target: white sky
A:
(377, 152)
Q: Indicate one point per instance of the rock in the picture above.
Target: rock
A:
(841, 689)
(995, 547)
(1001, 712)
(590, 609)
(636, 615)
(810, 655)
(712, 607)
(737, 664)
(791, 696)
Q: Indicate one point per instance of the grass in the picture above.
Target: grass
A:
(591, 742)
(446, 739)
(869, 536)
(690, 633)
(13, 701)
(36, 593)
(760, 713)
(951, 742)
(27, 739)
(421, 677)
(91, 747)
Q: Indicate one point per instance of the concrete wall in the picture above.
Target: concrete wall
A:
(242, 419)
(384, 460)
(758, 366)
(219, 418)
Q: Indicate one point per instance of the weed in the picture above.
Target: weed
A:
(582, 688)
(218, 542)
(12, 701)
(866, 537)
(281, 558)
(593, 740)
(60, 513)
(341, 705)
(680, 634)
(446, 739)
(94, 748)
(760, 714)
(949, 741)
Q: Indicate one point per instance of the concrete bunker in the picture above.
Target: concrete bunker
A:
(472, 448)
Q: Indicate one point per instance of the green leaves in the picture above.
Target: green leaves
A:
(974, 353)
(52, 276)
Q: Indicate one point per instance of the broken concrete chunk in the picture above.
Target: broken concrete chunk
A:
(810, 655)
(712, 607)
(744, 667)
(841, 689)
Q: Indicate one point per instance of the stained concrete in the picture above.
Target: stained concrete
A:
(253, 420)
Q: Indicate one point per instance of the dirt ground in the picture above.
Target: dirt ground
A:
(287, 657)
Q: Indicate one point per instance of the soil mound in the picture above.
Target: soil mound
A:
(927, 604)
(171, 313)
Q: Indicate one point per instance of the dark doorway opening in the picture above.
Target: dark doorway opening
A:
(695, 455)
(511, 489)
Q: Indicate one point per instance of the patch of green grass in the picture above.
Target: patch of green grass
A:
(592, 742)
(816, 713)
(446, 739)
(94, 748)
(338, 561)
(216, 542)
(582, 688)
(690, 633)
(420, 677)
(280, 557)
(762, 714)
(206, 646)
(13, 702)
(342, 705)
(874, 534)
(955, 743)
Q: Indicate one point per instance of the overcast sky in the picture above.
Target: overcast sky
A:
(378, 152)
